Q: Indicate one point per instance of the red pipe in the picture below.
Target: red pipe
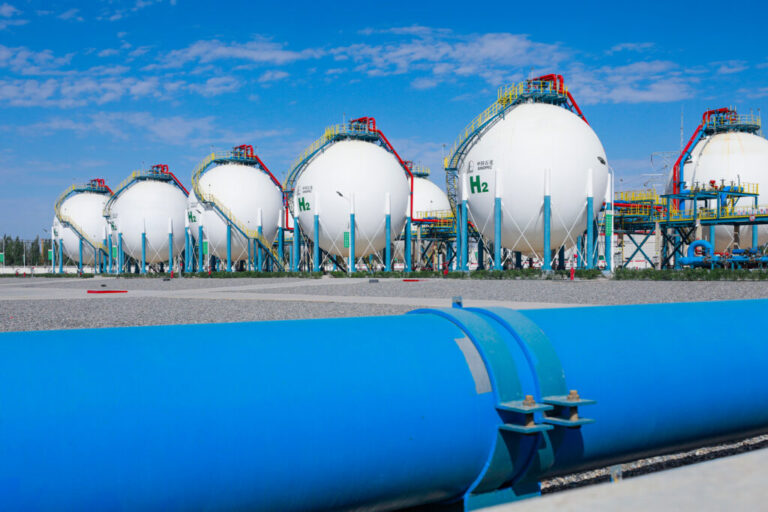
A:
(560, 88)
(163, 168)
(370, 122)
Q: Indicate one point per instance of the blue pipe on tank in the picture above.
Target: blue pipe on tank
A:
(247, 416)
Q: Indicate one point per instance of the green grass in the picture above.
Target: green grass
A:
(691, 274)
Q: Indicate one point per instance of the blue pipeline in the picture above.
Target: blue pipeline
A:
(316, 245)
(352, 255)
(709, 258)
(547, 264)
(388, 247)
(145, 431)
(497, 234)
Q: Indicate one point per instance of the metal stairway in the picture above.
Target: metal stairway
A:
(96, 186)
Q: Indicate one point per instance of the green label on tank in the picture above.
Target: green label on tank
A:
(477, 186)
(346, 239)
(191, 217)
(303, 205)
(608, 224)
(114, 252)
(205, 246)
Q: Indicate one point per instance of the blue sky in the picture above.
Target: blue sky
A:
(98, 89)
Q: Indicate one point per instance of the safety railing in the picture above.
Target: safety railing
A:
(330, 133)
(731, 119)
(435, 214)
(636, 196)
(420, 171)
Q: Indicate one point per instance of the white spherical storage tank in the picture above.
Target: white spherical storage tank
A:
(428, 199)
(85, 210)
(151, 205)
(243, 190)
(735, 157)
(516, 153)
(352, 174)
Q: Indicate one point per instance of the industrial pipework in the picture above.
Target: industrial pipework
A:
(453, 408)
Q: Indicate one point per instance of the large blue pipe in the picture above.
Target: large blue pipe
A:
(376, 413)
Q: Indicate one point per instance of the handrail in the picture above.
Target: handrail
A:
(154, 173)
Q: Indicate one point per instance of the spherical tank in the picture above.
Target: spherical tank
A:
(519, 149)
(153, 205)
(346, 173)
(85, 209)
(736, 157)
(243, 190)
(428, 199)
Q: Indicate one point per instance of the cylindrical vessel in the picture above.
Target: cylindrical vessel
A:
(243, 190)
(517, 151)
(154, 206)
(352, 174)
(394, 412)
(85, 209)
(731, 157)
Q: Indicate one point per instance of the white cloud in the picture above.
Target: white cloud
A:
(494, 57)
(730, 66)
(70, 14)
(216, 86)
(639, 82)
(630, 47)
(260, 50)
(24, 61)
(108, 52)
(272, 76)
(8, 11)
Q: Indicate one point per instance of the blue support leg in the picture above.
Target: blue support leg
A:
(464, 236)
(143, 253)
(316, 245)
(407, 247)
(296, 245)
(80, 253)
(351, 242)
(497, 234)
(170, 253)
(547, 263)
(61, 257)
(259, 252)
(200, 248)
(388, 248)
(229, 247)
(590, 234)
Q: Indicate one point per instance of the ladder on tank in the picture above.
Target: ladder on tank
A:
(96, 185)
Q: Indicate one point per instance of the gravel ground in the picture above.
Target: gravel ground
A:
(599, 291)
(644, 466)
(108, 312)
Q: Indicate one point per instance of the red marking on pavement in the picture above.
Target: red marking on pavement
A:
(411, 280)
(107, 291)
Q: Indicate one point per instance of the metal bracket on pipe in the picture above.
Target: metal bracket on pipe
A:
(526, 408)
(566, 410)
